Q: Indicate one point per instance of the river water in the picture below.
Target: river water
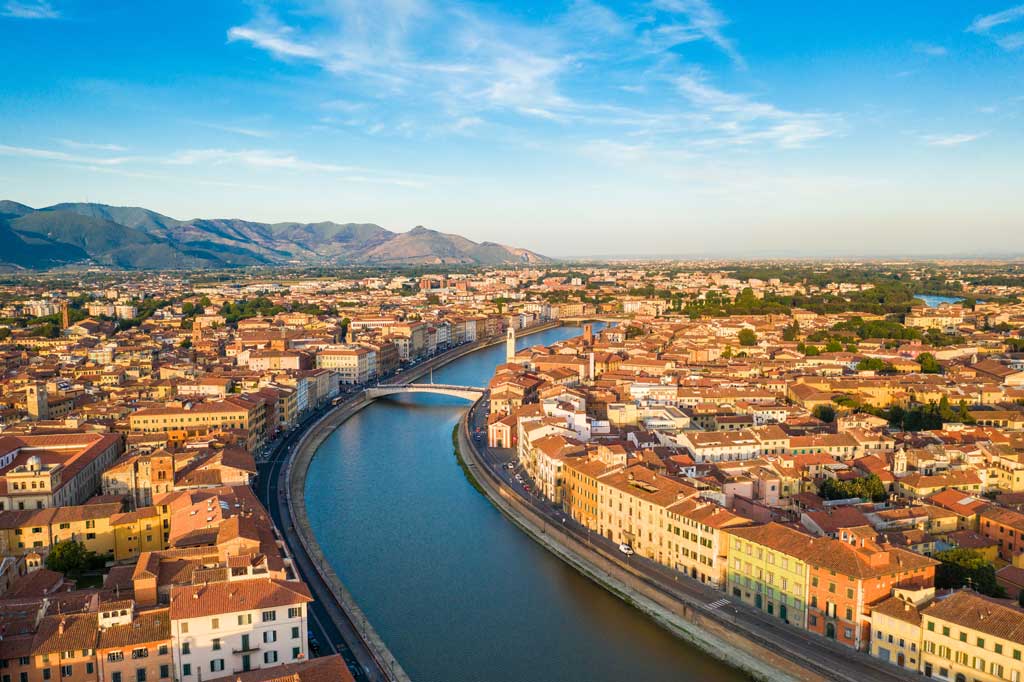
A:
(457, 592)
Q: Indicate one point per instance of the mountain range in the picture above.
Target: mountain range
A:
(137, 238)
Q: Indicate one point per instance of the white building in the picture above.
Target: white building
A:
(223, 628)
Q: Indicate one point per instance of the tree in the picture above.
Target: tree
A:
(727, 353)
(70, 557)
(825, 413)
(875, 365)
(866, 488)
(747, 337)
(967, 568)
(929, 365)
(791, 331)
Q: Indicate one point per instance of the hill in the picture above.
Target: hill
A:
(133, 237)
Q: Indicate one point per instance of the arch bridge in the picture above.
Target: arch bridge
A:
(466, 392)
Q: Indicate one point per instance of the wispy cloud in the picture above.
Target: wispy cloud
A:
(984, 25)
(53, 155)
(274, 40)
(703, 19)
(951, 140)
(29, 9)
(252, 158)
(94, 146)
(739, 119)
(237, 130)
(930, 49)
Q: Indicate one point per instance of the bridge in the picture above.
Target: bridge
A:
(466, 392)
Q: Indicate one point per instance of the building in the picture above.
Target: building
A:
(42, 471)
(354, 364)
(234, 626)
(133, 645)
(967, 637)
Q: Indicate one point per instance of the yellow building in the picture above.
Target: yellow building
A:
(187, 421)
(22, 532)
(766, 571)
(966, 637)
(143, 530)
(896, 631)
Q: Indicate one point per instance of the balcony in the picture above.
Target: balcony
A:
(246, 649)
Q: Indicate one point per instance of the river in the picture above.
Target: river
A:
(457, 592)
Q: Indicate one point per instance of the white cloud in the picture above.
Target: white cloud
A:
(30, 9)
(53, 155)
(951, 140)
(740, 120)
(705, 20)
(74, 144)
(930, 50)
(237, 130)
(984, 25)
(275, 41)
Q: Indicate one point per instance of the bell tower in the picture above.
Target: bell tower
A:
(510, 345)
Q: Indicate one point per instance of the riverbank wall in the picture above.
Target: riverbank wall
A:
(684, 620)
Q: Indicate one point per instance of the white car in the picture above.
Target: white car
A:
(627, 550)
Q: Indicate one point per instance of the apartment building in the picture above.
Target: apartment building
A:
(230, 627)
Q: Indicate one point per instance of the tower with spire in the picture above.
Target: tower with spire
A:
(510, 345)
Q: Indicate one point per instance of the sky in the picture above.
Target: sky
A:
(570, 127)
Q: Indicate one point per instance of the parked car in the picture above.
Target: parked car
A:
(626, 549)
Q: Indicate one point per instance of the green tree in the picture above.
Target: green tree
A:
(866, 488)
(727, 353)
(875, 365)
(747, 337)
(967, 568)
(791, 332)
(825, 413)
(929, 365)
(70, 557)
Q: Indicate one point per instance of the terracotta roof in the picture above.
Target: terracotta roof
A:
(196, 601)
(326, 669)
(971, 610)
(150, 626)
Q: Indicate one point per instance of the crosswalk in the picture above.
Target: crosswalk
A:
(717, 604)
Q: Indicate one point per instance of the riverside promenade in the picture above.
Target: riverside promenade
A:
(735, 633)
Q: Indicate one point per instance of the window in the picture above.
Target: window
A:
(140, 675)
(46, 673)
(245, 619)
(67, 671)
(165, 671)
(184, 626)
(296, 652)
(270, 657)
(186, 670)
(945, 631)
(295, 632)
(186, 648)
(295, 612)
(269, 636)
(115, 656)
(116, 677)
(140, 653)
(216, 665)
(215, 642)
(215, 623)
(931, 626)
(269, 616)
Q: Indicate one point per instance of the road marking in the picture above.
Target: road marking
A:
(716, 604)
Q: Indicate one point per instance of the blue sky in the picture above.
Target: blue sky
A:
(657, 127)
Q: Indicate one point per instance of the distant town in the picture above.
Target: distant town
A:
(824, 458)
